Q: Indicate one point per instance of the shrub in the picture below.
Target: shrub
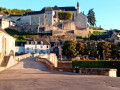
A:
(97, 64)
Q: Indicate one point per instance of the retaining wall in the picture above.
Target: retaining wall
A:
(66, 66)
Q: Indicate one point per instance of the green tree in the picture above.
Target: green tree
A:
(91, 17)
(82, 48)
(65, 15)
(69, 49)
(28, 10)
(14, 11)
(104, 49)
(114, 50)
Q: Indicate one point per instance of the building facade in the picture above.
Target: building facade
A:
(5, 23)
(7, 45)
(48, 16)
(37, 45)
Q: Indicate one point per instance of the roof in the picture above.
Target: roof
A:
(15, 15)
(50, 9)
(39, 40)
(35, 12)
(56, 8)
(20, 43)
(68, 8)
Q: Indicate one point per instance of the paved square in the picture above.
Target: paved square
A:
(31, 75)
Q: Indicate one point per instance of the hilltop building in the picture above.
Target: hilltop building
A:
(47, 19)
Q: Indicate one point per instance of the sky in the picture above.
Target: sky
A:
(107, 12)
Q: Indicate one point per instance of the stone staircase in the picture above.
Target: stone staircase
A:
(5, 61)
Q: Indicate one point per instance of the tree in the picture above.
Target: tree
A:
(104, 49)
(14, 11)
(28, 10)
(91, 17)
(69, 49)
(82, 48)
(114, 50)
(65, 15)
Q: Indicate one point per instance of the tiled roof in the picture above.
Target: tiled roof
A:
(39, 40)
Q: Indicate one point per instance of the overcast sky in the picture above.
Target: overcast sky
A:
(107, 11)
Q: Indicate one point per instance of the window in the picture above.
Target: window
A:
(30, 42)
(47, 46)
(41, 46)
(27, 48)
(41, 51)
(36, 50)
(33, 42)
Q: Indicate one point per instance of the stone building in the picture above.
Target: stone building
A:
(14, 18)
(7, 47)
(48, 16)
(115, 36)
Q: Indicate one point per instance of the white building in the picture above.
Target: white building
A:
(20, 47)
(7, 45)
(37, 46)
(5, 23)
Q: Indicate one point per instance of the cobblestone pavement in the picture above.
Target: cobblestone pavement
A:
(31, 75)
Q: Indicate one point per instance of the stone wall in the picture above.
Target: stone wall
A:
(11, 62)
(50, 57)
(24, 56)
(69, 25)
(81, 21)
(64, 64)
(67, 67)
(85, 32)
(47, 63)
(29, 28)
(99, 71)
(20, 57)
(58, 33)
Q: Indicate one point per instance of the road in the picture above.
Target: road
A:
(31, 75)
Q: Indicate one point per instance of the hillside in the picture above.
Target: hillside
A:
(14, 11)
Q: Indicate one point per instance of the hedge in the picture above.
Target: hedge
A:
(97, 64)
